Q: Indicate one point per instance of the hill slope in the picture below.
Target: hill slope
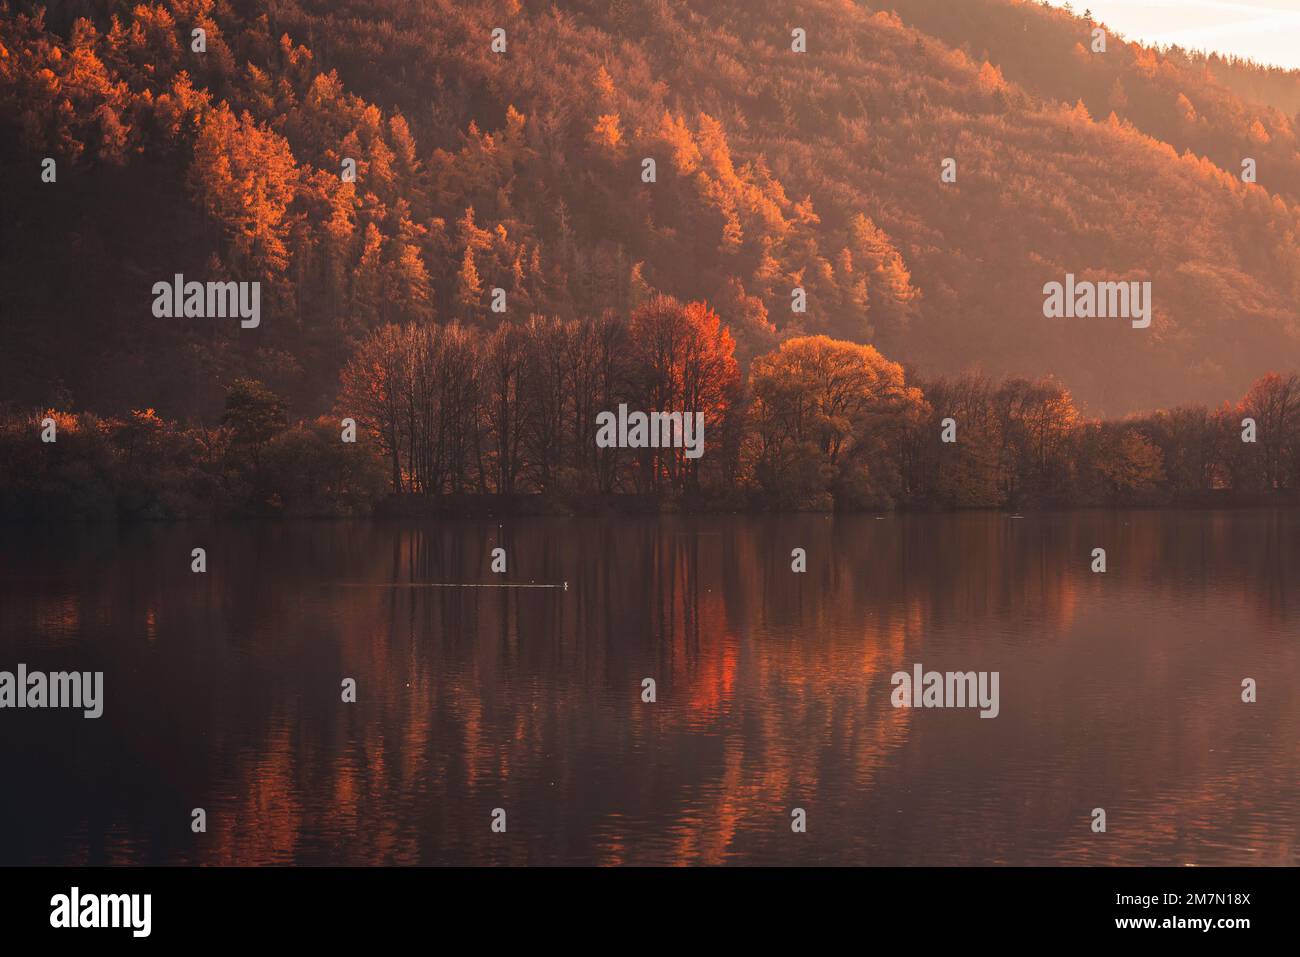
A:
(523, 170)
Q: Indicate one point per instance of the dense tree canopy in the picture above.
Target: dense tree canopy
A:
(452, 415)
(521, 172)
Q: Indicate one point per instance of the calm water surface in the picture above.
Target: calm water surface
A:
(222, 691)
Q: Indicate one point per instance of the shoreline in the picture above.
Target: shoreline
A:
(474, 507)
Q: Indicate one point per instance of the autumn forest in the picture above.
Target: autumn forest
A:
(463, 259)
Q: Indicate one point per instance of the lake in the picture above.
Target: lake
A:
(222, 691)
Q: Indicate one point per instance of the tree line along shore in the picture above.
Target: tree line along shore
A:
(455, 418)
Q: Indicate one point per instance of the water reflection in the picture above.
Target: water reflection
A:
(1119, 691)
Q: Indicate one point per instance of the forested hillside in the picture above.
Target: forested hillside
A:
(522, 170)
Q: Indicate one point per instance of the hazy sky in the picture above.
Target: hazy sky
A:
(1264, 30)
